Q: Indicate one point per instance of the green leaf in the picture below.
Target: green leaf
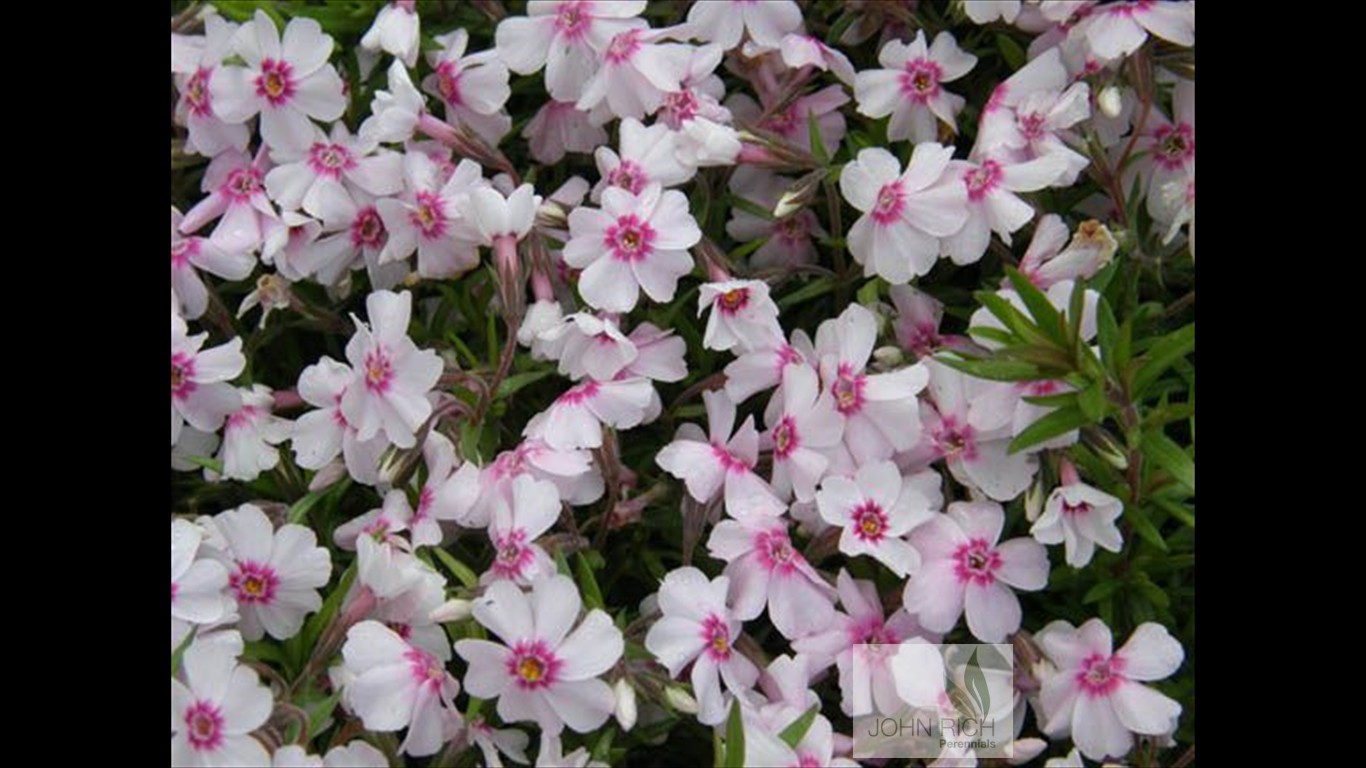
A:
(869, 293)
(458, 569)
(1011, 51)
(796, 730)
(1100, 591)
(592, 594)
(1177, 510)
(207, 463)
(603, 746)
(313, 628)
(1040, 308)
(517, 381)
(1076, 309)
(1107, 331)
(319, 711)
(989, 333)
(179, 653)
(813, 130)
(562, 565)
(994, 370)
(1144, 527)
(299, 510)
(1162, 355)
(1168, 455)
(816, 288)
(735, 738)
(1092, 401)
(753, 209)
(1058, 422)
(1060, 400)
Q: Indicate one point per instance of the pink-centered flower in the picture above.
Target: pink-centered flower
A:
(742, 315)
(698, 628)
(918, 315)
(993, 206)
(559, 127)
(1170, 158)
(473, 88)
(207, 134)
(589, 345)
(634, 243)
(876, 508)
(391, 379)
(514, 528)
(332, 160)
(880, 410)
(765, 568)
(323, 434)
(763, 369)
(725, 23)
(236, 196)
(576, 418)
(707, 465)
(1029, 116)
(542, 671)
(905, 215)
(1118, 29)
(635, 74)
(793, 121)
(1079, 517)
(809, 51)
(250, 435)
(866, 686)
(274, 574)
(566, 37)
(286, 82)
(647, 155)
(190, 254)
(216, 706)
(352, 234)
(801, 433)
(395, 685)
(1098, 694)
(200, 393)
(910, 86)
(428, 217)
(964, 569)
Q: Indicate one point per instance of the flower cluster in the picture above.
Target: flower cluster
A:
(447, 492)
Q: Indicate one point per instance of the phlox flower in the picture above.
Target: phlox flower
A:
(698, 628)
(910, 86)
(200, 393)
(792, 122)
(197, 583)
(964, 569)
(473, 88)
(1097, 693)
(395, 685)
(576, 418)
(634, 242)
(323, 434)
(427, 217)
(764, 568)
(904, 214)
(1028, 116)
(332, 160)
(237, 198)
(635, 75)
(391, 376)
(993, 206)
(589, 345)
(207, 134)
(789, 241)
(559, 127)
(1081, 517)
(647, 156)
(1118, 29)
(395, 31)
(542, 671)
(566, 37)
(809, 51)
(189, 254)
(801, 433)
(216, 706)
(516, 525)
(725, 23)
(742, 314)
(250, 435)
(876, 508)
(274, 574)
(287, 81)
(721, 461)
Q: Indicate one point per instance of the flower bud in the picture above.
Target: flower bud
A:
(680, 700)
(1110, 102)
(1034, 498)
(451, 610)
(625, 710)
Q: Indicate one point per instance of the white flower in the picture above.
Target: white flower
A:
(217, 706)
(394, 685)
(275, 575)
(1081, 517)
(197, 584)
(395, 32)
(388, 389)
(199, 392)
(251, 434)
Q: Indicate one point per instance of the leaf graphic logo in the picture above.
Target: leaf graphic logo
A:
(976, 683)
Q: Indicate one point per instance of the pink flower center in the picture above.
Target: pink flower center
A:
(275, 84)
(623, 47)
(182, 373)
(404, 631)
(717, 636)
(367, 230)
(727, 460)
(1174, 145)
(426, 669)
(776, 552)
(980, 181)
(809, 760)
(197, 93)
(874, 632)
(870, 522)
(448, 82)
(532, 665)
(1072, 510)
(425, 499)
(977, 562)
(630, 238)
(679, 107)
(379, 370)
(572, 19)
(241, 185)
(848, 390)
(954, 441)
(576, 395)
(1100, 675)
(513, 555)
(429, 216)
(891, 201)
(783, 122)
(183, 250)
(204, 726)
(733, 301)
(242, 417)
(785, 438)
(920, 338)
(1031, 124)
(254, 582)
(330, 159)
(920, 81)
(628, 176)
